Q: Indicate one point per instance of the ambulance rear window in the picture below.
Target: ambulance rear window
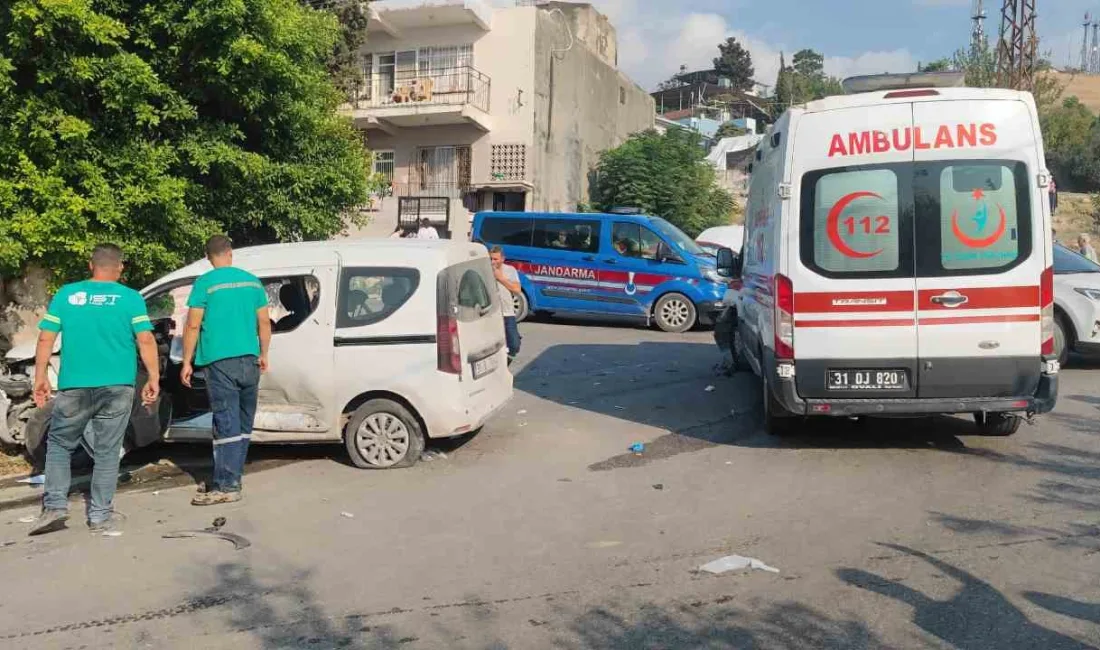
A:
(851, 228)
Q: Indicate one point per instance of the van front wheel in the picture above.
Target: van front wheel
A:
(675, 312)
(382, 434)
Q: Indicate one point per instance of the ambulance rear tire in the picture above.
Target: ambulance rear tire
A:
(774, 422)
(675, 313)
(997, 424)
(522, 307)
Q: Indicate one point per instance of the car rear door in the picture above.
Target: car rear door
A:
(851, 254)
(981, 249)
(480, 324)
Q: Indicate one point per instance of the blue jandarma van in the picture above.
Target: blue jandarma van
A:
(616, 265)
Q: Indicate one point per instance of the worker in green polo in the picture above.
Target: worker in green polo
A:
(227, 336)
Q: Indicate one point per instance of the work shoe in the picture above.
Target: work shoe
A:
(50, 521)
(112, 522)
(215, 497)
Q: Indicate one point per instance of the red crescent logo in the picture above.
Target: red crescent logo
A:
(973, 242)
(832, 226)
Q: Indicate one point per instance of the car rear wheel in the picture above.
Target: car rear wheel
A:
(1062, 342)
(382, 434)
(520, 304)
(997, 424)
(675, 313)
(775, 423)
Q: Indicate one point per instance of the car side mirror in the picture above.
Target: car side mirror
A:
(729, 263)
(666, 254)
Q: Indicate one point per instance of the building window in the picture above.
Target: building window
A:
(622, 95)
(384, 166)
(508, 162)
(443, 171)
(425, 71)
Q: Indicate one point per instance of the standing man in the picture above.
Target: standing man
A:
(1084, 247)
(1053, 189)
(228, 334)
(101, 320)
(507, 286)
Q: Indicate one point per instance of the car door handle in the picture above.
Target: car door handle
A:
(950, 299)
(589, 258)
(611, 262)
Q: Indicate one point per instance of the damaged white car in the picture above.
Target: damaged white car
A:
(379, 344)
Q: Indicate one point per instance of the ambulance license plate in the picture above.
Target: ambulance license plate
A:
(486, 366)
(855, 379)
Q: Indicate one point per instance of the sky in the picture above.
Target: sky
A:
(856, 36)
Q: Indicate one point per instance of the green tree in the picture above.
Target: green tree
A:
(939, 65)
(154, 123)
(664, 175)
(804, 80)
(735, 63)
(809, 64)
(730, 130)
(346, 63)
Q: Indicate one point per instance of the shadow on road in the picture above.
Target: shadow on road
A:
(1088, 612)
(976, 617)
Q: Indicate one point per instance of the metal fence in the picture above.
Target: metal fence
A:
(462, 85)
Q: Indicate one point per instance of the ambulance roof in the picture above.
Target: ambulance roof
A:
(908, 96)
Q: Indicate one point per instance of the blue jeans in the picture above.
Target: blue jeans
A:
(232, 386)
(511, 335)
(98, 416)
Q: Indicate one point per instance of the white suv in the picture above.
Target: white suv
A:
(1076, 296)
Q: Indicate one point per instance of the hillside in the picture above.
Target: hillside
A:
(1085, 87)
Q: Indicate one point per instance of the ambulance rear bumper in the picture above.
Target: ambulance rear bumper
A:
(1046, 395)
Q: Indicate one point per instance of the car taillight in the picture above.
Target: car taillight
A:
(446, 345)
(1046, 302)
(784, 318)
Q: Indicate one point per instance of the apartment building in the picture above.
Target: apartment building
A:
(482, 108)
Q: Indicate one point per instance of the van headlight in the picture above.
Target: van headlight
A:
(711, 275)
(1091, 294)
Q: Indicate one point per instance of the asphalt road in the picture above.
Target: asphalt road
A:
(545, 531)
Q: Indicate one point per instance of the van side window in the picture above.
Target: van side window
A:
(850, 223)
(371, 295)
(567, 235)
(291, 300)
(507, 231)
(978, 214)
(634, 240)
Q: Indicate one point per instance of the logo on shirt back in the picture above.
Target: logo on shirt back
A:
(81, 298)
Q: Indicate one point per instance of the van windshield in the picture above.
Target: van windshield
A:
(676, 236)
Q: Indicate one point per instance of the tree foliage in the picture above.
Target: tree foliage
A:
(804, 80)
(155, 123)
(730, 130)
(735, 63)
(346, 62)
(664, 175)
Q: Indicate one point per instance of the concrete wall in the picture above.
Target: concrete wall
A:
(586, 108)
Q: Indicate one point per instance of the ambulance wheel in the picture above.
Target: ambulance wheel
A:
(997, 424)
(1062, 341)
(521, 306)
(675, 313)
(774, 422)
(382, 434)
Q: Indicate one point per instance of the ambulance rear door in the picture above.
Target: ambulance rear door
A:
(852, 254)
(980, 248)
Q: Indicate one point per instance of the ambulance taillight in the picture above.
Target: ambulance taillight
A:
(784, 318)
(1046, 302)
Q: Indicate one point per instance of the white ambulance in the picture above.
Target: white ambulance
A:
(897, 257)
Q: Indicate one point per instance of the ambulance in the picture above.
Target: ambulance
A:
(897, 257)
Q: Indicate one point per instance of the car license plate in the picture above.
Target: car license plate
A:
(486, 366)
(855, 379)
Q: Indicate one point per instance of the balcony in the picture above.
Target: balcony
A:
(390, 101)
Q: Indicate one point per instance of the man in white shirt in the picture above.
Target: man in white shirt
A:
(427, 231)
(507, 285)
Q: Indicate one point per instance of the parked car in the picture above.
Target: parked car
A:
(898, 258)
(613, 265)
(731, 237)
(1076, 298)
(379, 344)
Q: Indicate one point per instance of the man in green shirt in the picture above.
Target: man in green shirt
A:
(228, 333)
(100, 320)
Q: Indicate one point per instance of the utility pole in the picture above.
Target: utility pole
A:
(1095, 68)
(1017, 49)
(977, 34)
(1086, 62)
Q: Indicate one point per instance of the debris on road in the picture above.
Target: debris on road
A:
(347, 515)
(521, 412)
(112, 533)
(429, 455)
(658, 486)
(212, 531)
(33, 480)
(637, 447)
(709, 389)
(736, 563)
(27, 520)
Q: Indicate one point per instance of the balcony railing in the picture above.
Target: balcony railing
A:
(460, 86)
